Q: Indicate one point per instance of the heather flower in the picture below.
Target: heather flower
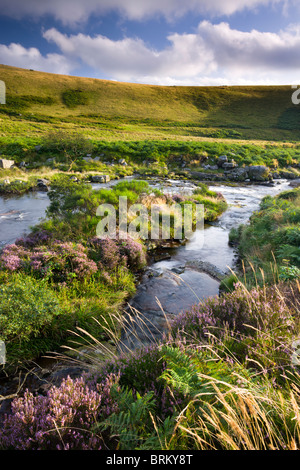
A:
(61, 420)
(113, 253)
(60, 260)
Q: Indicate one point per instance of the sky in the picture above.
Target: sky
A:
(160, 42)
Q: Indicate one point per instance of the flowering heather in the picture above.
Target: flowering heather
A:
(61, 420)
(259, 325)
(235, 310)
(60, 260)
(118, 252)
(41, 237)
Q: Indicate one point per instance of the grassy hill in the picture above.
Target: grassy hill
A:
(38, 102)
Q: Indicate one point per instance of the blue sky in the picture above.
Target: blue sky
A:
(161, 42)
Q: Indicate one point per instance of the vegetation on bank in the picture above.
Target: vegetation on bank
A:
(269, 243)
(226, 374)
(223, 378)
(86, 277)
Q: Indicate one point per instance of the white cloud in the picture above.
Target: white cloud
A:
(213, 53)
(128, 58)
(18, 56)
(74, 11)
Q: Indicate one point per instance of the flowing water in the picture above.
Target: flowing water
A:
(168, 287)
(190, 272)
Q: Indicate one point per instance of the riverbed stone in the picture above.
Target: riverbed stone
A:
(237, 174)
(100, 178)
(288, 174)
(43, 184)
(258, 172)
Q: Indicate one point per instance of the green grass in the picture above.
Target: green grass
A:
(270, 242)
(38, 101)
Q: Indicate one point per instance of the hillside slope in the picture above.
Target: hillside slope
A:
(250, 112)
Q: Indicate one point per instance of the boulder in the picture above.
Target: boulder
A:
(229, 165)
(221, 160)
(122, 162)
(6, 164)
(100, 178)
(258, 172)
(288, 174)
(295, 183)
(238, 174)
(42, 184)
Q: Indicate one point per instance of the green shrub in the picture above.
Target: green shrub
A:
(27, 310)
(73, 98)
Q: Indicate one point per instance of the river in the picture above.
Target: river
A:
(188, 274)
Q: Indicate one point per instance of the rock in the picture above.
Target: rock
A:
(122, 162)
(221, 160)
(238, 174)
(37, 148)
(229, 165)
(288, 174)
(100, 178)
(22, 164)
(6, 164)
(208, 268)
(295, 183)
(206, 176)
(178, 269)
(162, 257)
(74, 178)
(43, 184)
(258, 172)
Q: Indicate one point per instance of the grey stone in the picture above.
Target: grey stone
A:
(295, 183)
(6, 164)
(42, 184)
(258, 172)
(288, 174)
(229, 165)
(221, 160)
(238, 174)
(100, 178)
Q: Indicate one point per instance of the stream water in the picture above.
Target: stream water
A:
(191, 271)
(188, 274)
